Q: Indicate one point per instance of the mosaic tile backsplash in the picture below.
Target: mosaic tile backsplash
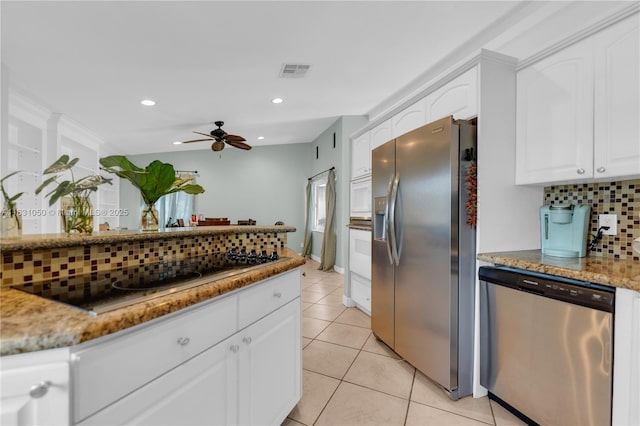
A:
(128, 260)
(621, 198)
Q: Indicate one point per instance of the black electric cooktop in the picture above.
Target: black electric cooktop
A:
(104, 291)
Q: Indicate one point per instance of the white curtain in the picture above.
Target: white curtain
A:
(178, 205)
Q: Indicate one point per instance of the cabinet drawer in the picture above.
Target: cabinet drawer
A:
(267, 296)
(112, 367)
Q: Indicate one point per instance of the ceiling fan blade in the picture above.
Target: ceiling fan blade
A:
(203, 134)
(239, 144)
(234, 138)
(197, 140)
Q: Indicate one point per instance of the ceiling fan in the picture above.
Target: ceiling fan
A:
(220, 137)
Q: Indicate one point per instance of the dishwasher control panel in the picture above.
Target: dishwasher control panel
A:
(573, 291)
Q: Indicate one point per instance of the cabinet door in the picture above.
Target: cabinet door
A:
(380, 134)
(360, 252)
(35, 395)
(617, 105)
(410, 118)
(360, 156)
(459, 98)
(626, 352)
(361, 292)
(270, 367)
(203, 390)
(554, 135)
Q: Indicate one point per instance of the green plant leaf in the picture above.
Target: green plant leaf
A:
(60, 165)
(91, 182)
(153, 182)
(15, 197)
(45, 183)
(189, 189)
(65, 188)
(9, 175)
(119, 161)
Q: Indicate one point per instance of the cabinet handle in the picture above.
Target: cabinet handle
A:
(183, 341)
(40, 390)
(246, 340)
(580, 171)
(234, 348)
(277, 294)
(600, 169)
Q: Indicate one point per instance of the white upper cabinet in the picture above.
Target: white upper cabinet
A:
(459, 98)
(380, 134)
(617, 101)
(410, 118)
(360, 156)
(577, 111)
(554, 109)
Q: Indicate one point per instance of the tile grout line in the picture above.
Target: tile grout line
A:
(360, 350)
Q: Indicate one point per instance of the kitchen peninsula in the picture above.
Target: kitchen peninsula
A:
(238, 334)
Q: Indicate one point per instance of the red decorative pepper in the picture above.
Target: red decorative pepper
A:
(472, 193)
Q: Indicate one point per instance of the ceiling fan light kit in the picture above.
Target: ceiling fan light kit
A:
(220, 138)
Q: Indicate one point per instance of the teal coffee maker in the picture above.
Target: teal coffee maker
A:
(564, 229)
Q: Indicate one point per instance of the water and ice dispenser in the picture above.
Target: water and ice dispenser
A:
(379, 218)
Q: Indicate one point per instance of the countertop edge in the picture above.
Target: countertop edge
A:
(44, 241)
(610, 272)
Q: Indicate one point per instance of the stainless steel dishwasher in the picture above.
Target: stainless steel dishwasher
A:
(546, 346)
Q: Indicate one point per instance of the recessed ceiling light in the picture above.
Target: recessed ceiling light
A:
(260, 138)
(277, 100)
(148, 102)
(177, 143)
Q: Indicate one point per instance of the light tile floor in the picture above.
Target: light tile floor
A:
(351, 378)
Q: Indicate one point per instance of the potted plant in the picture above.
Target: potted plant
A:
(76, 212)
(154, 181)
(11, 223)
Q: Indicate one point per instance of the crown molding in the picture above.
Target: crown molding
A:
(612, 19)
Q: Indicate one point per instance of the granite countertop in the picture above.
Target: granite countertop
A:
(611, 272)
(43, 241)
(30, 323)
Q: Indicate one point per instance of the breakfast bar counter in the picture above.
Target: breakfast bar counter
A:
(29, 322)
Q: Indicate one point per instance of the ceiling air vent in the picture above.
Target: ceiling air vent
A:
(294, 70)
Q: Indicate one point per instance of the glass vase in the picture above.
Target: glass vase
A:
(149, 220)
(11, 226)
(77, 215)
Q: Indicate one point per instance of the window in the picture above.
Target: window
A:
(318, 191)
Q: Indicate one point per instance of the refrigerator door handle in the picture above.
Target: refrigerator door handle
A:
(386, 221)
(392, 219)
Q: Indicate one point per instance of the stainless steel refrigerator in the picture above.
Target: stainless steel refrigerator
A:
(423, 251)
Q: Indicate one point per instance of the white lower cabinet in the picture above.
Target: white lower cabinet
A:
(34, 389)
(360, 268)
(361, 292)
(203, 390)
(233, 360)
(360, 252)
(270, 367)
(626, 368)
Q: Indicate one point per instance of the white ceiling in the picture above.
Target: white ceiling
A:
(203, 61)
